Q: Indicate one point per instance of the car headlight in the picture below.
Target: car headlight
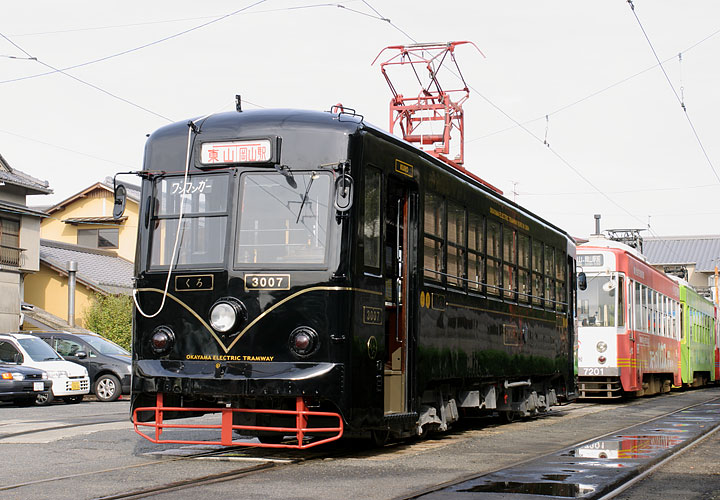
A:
(18, 376)
(44, 376)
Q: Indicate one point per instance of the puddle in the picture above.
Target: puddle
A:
(555, 477)
(566, 490)
(627, 447)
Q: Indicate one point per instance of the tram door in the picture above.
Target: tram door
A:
(395, 273)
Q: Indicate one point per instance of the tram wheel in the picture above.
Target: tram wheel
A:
(508, 416)
(271, 438)
(379, 437)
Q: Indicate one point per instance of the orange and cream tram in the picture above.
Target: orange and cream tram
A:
(629, 318)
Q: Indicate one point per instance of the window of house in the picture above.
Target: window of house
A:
(9, 241)
(99, 238)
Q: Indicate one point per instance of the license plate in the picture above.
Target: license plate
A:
(38, 386)
(75, 386)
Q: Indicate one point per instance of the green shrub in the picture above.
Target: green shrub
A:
(111, 317)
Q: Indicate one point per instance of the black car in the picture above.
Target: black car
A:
(107, 363)
(22, 384)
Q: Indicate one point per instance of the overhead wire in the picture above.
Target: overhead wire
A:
(92, 85)
(597, 92)
(135, 49)
(549, 148)
(677, 96)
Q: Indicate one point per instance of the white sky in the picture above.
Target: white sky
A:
(628, 137)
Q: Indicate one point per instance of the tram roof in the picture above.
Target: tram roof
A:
(233, 124)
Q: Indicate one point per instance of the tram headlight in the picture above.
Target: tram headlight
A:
(162, 340)
(601, 346)
(303, 341)
(226, 313)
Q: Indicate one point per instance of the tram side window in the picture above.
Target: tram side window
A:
(434, 236)
(371, 221)
(549, 275)
(537, 272)
(621, 302)
(509, 262)
(560, 298)
(494, 270)
(524, 287)
(637, 305)
(456, 245)
(476, 263)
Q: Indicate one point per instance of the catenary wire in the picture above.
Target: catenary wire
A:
(100, 89)
(597, 92)
(135, 49)
(677, 96)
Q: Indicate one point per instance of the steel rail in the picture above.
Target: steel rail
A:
(468, 477)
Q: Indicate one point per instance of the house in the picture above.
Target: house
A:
(693, 258)
(81, 229)
(85, 219)
(19, 239)
(98, 272)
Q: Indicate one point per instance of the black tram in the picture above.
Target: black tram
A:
(306, 275)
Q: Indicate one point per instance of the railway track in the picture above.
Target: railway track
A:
(245, 467)
(596, 469)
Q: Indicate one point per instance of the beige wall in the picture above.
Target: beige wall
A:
(30, 241)
(48, 290)
(97, 205)
(9, 301)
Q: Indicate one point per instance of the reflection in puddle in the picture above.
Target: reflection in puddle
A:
(573, 490)
(627, 447)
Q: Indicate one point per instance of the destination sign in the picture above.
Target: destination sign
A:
(235, 152)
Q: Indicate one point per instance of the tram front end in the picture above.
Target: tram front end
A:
(242, 292)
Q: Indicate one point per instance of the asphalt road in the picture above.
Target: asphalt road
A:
(100, 455)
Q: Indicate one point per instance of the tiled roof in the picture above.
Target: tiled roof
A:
(701, 251)
(100, 270)
(10, 175)
(94, 220)
(133, 193)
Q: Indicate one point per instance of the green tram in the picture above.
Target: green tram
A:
(306, 276)
(697, 341)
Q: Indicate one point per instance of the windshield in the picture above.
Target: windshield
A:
(38, 350)
(596, 304)
(202, 234)
(283, 220)
(104, 346)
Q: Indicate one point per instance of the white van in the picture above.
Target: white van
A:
(70, 380)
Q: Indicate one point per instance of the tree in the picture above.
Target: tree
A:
(111, 317)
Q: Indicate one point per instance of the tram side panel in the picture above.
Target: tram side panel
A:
(698, 342)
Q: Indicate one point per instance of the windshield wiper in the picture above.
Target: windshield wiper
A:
(313, 176)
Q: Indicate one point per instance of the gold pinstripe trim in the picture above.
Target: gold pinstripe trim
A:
(481, 309)
(267, 311)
